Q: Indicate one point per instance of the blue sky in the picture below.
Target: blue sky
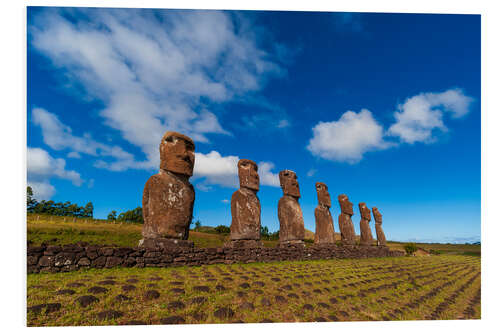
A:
(382, 107)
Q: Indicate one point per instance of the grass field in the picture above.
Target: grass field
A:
(402, 288)
(58, 230)
(447, 286)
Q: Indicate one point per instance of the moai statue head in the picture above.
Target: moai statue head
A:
(248, 174)
(365, 211)
(345, 205)
(289, 184)
(177, 153)
(323, 195)
(376, 215)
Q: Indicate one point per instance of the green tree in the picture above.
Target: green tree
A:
(88, 210)
(264, 232)
(222, 229)
(197, 224)
(30, 201)
(410, 248)
(112, 216)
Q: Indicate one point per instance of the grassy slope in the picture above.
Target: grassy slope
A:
(333, 290)
(55, 230)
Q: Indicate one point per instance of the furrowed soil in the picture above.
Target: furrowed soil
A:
(401, 288)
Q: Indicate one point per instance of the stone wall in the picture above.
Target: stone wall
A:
(52, 258)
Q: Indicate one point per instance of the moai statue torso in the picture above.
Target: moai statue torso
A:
(289, 212)
(324, 222)
(168, 197)
(364, 225)
(345, 223)
(378, 227)
(245, 207)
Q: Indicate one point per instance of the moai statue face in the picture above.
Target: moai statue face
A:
(376, 215)
(365, 211)
(177, 153)
(248, 174)
(345, 205)
(323, 195)
(289, 183)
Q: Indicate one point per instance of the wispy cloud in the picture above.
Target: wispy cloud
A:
(42, 167)
(154, 70)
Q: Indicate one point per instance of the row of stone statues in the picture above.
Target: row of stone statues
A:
(168, 201)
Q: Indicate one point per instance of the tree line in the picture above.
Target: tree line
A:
(134, 215)
(57, 208)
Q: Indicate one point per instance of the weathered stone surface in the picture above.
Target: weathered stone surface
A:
(289, 211)
(347, 233)
(366, 237)
(245, 205)
(168, 197)
(381, 241)
(324, 222)
(165, 243)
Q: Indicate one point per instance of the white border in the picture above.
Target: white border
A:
(13, 20)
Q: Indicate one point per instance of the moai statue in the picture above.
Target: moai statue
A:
(378, 227)
(168, 197)
(364, 225)
(345, 223)
(245, 208)
(324, 222)
(289, 212)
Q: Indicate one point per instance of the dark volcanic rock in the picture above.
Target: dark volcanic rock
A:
(109, 314)
(151, 294)
(97, 290)
(128, 287)
(176, 305)
(121, 298)
(87, 300)
(224, 313)
(308, 307)
(198, 300)
(65, 292)
(172, 320)
(205, 289)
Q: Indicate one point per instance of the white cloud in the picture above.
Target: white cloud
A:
(225, 201)
(59, 136)
(267, 177)
(42, 190)
(217, 169)
(153, 70)
(311, 172)
(42, 167)
(420, 116)
(41, 164)
(223, 170)
(347, 139)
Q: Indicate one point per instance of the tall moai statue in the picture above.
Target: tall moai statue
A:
(168, 197)
(245, 208)
(347, 233)
(364, 225)
(324, 222)
(289, 212)
(378, 227)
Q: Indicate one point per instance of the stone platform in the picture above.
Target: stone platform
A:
(51, 258)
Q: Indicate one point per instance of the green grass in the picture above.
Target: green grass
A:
(337, 290)
(58, 230)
